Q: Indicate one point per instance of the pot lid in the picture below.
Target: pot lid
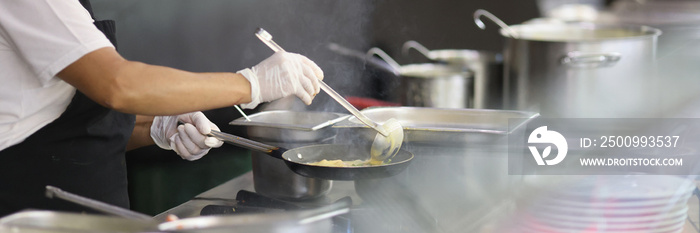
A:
(573, 32)
(431, 70)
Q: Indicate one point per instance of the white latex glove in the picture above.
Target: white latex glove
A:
(188, 140)
(281, 75)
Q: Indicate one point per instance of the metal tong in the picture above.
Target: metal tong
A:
(236, 140)
(266, 38)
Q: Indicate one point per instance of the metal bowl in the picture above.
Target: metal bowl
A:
(290, 126)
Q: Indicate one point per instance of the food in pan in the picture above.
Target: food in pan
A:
(342, 163)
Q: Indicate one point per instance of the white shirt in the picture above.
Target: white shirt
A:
(38, 39)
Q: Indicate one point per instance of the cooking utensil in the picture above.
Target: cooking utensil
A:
(431, 84)
(581, 70)
(272, 177)
(44, 221)
(290, 126)
(289, 129)
(480, 12)
(384, 146)
(52, 192)
(242, 113)
(297, 159)
(487, 67)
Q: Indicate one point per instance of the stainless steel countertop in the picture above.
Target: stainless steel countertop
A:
(483, 212)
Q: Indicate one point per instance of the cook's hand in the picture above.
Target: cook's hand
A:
(281, 75)
(189, 139)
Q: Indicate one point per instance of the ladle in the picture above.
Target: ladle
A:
(478, 13)
(386, 144)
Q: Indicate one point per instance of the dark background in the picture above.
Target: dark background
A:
(217, 35)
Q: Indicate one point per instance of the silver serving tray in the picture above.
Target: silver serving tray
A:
(444, 126)
(53, 221)
(307, 220)
(290, 126)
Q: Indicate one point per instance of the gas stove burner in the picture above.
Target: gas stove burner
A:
(247, 202)
(365, 217)
(258, 200)
(234, 209)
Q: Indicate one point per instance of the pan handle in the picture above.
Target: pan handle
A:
(274, 151)
(52, 192)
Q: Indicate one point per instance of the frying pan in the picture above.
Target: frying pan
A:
(297, 159)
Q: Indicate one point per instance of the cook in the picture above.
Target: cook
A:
(70, 105)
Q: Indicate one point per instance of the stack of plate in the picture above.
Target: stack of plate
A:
(637, 203)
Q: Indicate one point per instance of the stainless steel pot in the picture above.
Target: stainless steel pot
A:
(487, 69)
(433, 85)
(288, 129)
(430, 85)
(272, 178)
(580, 69)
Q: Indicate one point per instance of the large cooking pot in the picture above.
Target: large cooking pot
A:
(430, 84)
(580, 69)
(486, 66)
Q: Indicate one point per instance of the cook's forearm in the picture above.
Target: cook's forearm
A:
(141, 136)
(157, 90)
(138, 88)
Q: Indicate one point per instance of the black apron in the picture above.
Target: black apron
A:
(80, 152)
